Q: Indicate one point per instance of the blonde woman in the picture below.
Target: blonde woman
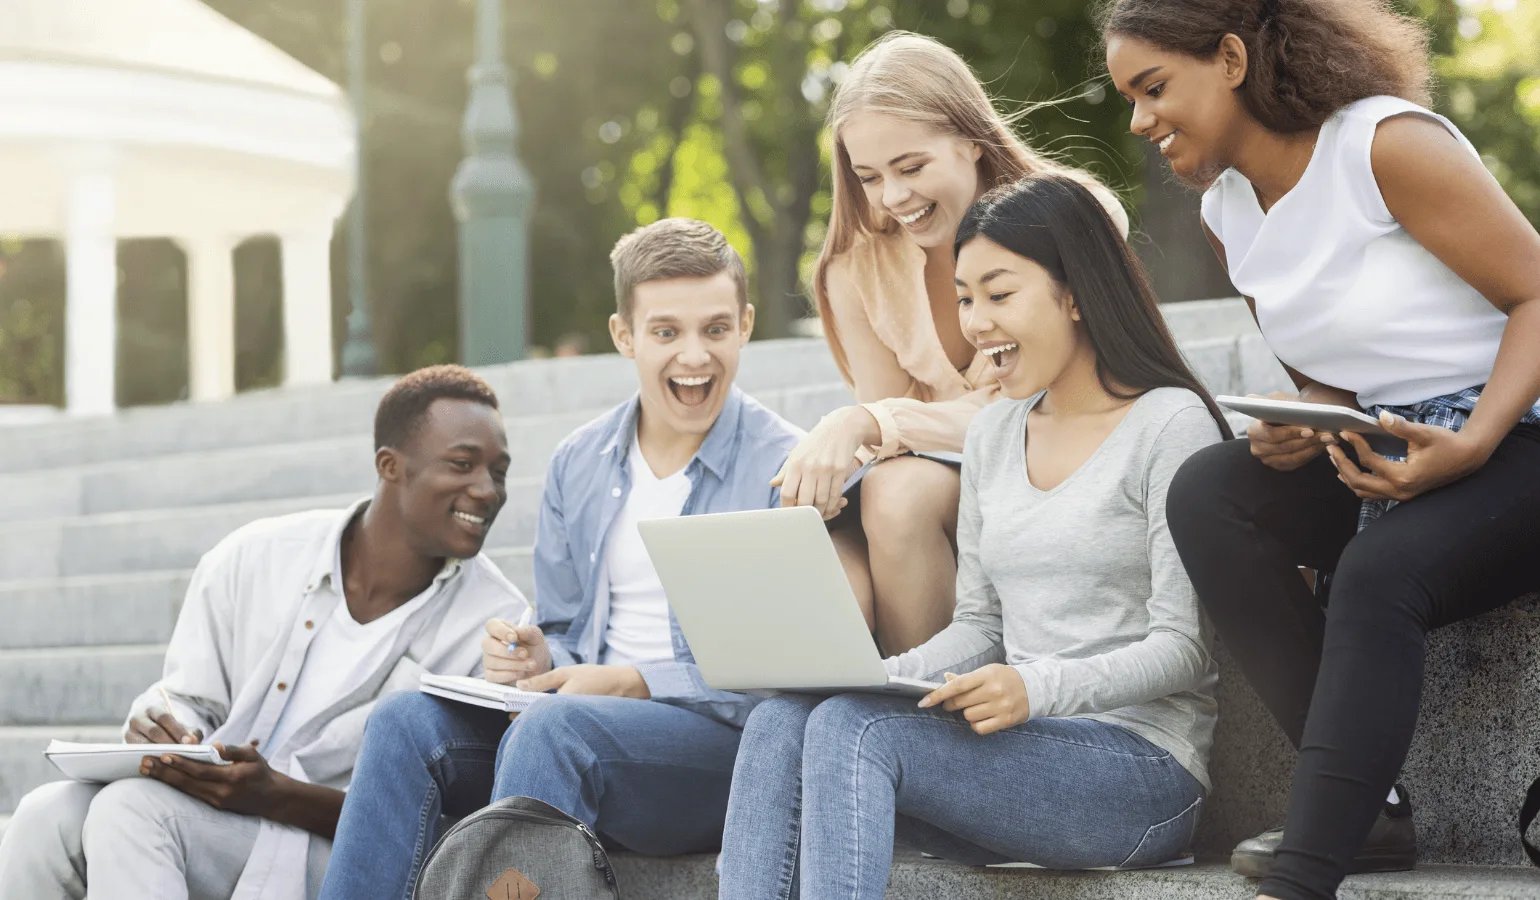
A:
(916, 142)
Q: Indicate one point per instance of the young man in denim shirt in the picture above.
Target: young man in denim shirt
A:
(634, 743)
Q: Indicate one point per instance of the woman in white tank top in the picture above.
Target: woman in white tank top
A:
(1388, 271)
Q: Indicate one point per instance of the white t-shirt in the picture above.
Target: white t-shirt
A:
(340, 656)
(1343, 293)
(638, 629)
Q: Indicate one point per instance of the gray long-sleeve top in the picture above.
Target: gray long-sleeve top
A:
(1080, 588)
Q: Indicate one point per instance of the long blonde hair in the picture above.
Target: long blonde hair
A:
(917, 78)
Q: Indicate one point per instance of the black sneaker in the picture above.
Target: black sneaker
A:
(1390, 847)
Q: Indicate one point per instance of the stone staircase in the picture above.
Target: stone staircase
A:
(102, 520)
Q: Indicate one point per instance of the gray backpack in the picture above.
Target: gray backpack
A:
(517, 849)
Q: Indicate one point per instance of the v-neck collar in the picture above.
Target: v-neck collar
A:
(1315, 152)
(1021, 446)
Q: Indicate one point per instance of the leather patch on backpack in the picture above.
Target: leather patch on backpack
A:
(512, 885)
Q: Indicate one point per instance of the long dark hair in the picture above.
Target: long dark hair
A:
(1059, 225)
(1305, 59)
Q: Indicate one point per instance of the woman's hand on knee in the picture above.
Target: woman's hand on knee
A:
(992, 698)
(816, 469)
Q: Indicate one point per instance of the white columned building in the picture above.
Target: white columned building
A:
(162, 118)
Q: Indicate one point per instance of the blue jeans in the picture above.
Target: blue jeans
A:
(645, 776)
(821, 784)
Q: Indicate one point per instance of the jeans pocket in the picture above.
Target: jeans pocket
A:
(1165, 841)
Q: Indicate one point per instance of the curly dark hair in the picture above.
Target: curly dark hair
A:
(1306, 58)
(405, 405)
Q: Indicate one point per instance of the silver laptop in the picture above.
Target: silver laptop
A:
(765, 604)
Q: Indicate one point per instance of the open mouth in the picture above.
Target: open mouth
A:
(918, 220)
(474, 522)
(1002, 355)
(692, 390)
(1165, 143)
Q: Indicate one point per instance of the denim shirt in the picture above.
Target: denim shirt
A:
(586, 488)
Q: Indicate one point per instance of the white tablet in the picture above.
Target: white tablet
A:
(1318, 416)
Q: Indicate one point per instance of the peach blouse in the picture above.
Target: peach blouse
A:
(885, 337)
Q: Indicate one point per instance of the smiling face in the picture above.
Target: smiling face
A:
(685, 335)
(922, 178)
(450, 477)
(1185, 105)
(1018, 316)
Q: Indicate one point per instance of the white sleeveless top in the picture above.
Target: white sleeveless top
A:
(1343, 294)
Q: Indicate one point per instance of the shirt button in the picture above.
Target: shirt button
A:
(282, 686)
(615, 492)
(309, 624)
(592, 557)
(255, 741)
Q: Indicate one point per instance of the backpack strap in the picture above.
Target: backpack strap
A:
(1527, 816)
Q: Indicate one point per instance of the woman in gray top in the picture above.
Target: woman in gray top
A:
(1078, 731)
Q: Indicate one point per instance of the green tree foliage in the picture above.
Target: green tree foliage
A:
(1488, 65)
(634, 109)
(31, 321)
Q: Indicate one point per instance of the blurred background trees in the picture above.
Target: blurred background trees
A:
(635, 109)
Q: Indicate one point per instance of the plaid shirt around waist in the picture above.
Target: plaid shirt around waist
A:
(1450, 411)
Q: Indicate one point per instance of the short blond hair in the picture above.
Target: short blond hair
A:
(674, 248)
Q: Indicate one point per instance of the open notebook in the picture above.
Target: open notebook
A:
(478, 692)
(103, 763)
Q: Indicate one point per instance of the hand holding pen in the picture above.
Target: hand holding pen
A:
(160, 726)
(510, 652)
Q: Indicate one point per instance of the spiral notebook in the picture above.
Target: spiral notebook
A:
(479, 692)
(105, 763)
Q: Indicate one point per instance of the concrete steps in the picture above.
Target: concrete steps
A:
(75, 685)
(781, 373)
(136, 608)
(102, 520)
(156, 539)
(22, 764)
(914, 878)
(241, 474)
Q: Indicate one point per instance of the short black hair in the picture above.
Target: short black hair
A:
(403, 407)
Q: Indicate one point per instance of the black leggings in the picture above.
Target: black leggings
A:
(1242, 530)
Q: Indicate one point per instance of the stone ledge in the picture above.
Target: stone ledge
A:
(1470, 761)
(913, 878)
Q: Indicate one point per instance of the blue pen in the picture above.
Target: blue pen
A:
(523, 620)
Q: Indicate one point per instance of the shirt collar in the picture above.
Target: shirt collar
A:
(715, 453)
(327, 566)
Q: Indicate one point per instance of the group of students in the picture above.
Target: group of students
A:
(1060, 582)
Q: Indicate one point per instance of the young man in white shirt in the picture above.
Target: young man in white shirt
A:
(291, 629)
(636, 745)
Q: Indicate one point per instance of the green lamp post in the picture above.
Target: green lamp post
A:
(492, 196)
(358, 347)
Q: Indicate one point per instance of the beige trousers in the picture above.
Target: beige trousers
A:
(130, 840)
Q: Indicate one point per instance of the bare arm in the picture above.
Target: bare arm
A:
(248, 785)
(309, 807)
(1446, 200)
(1454, 208)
